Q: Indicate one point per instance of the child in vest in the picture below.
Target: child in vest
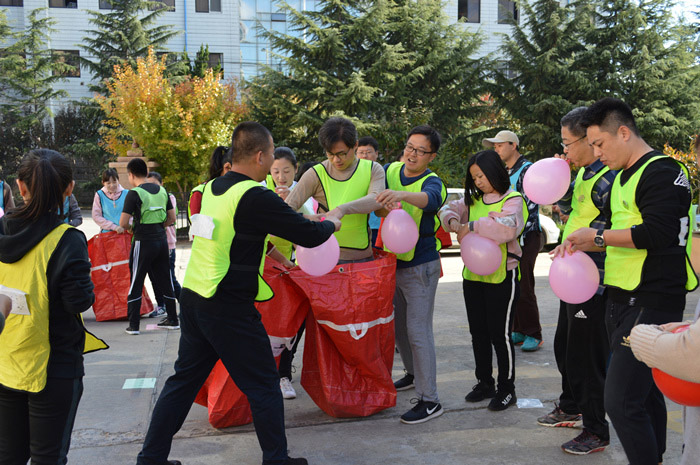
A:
(171, 234)
(45, 268)
(491, 209)
(108, 202)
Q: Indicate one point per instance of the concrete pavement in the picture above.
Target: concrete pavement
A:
(112, 421)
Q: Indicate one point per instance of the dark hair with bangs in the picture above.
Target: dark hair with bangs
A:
(492, 166)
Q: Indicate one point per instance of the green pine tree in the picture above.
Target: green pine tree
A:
(388, 65)
(123, 34)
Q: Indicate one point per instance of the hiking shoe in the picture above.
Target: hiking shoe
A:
(531, 344)
(288, 391)
(167, 323)
(159, 311)
(502, 400)
(404, 383)
(422, 412)
(297, 461)
(559, 418)
(132, 331)
(518, 338)
(480, 391)
(585, 443)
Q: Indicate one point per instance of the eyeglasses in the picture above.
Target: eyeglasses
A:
(339, 155)
(362, 153)
(566, 146)
(409, 149)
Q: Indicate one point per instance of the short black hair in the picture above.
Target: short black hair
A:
(368, 140)
(492, 166)
(287, 154)
(337, 129)
(610, 113)
(155, 175)
(137, 167)
(572, 121)
(110, 173)
(248, 138)
(432, 135)
(306, 166)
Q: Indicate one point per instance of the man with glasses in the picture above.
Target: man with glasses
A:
(345, 187)
(421, 193)
(368, 149)
(526, 322)
(581, 342)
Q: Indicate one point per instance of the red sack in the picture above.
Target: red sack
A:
(349, 346)
(109, 256)
(282, 317)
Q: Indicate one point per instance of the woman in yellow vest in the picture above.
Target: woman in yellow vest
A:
(492, 210)
(45, 269)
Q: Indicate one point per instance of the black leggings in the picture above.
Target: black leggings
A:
(38, 426)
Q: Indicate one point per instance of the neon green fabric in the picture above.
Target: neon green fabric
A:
(583, 211)
(152, 206)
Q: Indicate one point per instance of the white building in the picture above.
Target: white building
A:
(226, 26)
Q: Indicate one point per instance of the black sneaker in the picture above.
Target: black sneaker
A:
(559, 418)
(132, 331)
(167, 323)
(297, 461)
(404, 383)
(422, 412)
(502, 400)
(174, 462)
(585, 443)
(481, 391)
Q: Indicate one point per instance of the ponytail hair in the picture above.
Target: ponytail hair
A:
(218, 159)
(47, 174)
(287, 154)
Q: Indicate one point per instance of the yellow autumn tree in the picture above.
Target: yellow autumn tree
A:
(177, 126)
(688, 158)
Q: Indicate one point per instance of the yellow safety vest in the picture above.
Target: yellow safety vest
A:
(583, 210)
(282, 245)
(393, 178)
(354, 232)
(624, 265)
(480, 210)
(210, 259)
(152, 205)
(24, 344)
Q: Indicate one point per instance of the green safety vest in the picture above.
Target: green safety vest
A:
(210, 259)
(354, 231)
(152, 206)
(271, 184)
(200, 189)
(624, 265)
(24, 344)
(583, 211)
(480, 210)
(393, 179)
(282, 245)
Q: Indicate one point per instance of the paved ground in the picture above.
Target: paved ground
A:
(112, 421)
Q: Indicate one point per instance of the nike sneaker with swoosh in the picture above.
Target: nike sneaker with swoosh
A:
(422, 412)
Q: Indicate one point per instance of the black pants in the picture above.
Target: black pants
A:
(38, 426)
(527, 314)
(287, 355)
(176, 285)
(581, 349)
(490, 315)
(152, 257)
(234, 333)
(635, 405)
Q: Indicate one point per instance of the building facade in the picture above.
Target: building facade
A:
(228, 27)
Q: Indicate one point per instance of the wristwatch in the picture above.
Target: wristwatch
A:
(599, 240)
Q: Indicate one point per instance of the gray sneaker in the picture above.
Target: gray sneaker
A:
(159, 311)
(559, 418)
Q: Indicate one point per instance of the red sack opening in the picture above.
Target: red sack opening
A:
(109, 256)
(226, 404)
(349, 346)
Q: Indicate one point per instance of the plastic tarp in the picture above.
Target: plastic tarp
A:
(109, 257)
(349, 345)
(282, 317)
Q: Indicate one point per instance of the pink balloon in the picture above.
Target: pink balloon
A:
(574, 278)
(399, 231)
(2, 212)
(479, 254)
(319, 260)
(547, 180)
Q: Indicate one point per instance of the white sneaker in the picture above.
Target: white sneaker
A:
(288, 391)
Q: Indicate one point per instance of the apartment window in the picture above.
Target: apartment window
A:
(63, 3)
(205, 6)
(69, 57)
(168, 5)
(470, 10)
(216, 59)
(507, 11)
(11, 2)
